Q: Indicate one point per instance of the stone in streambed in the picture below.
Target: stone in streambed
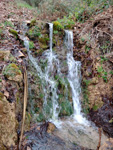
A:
(51, 127)
(83, 135)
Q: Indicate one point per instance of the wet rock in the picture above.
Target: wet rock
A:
(12, 72)
(108, 145)
(79, 134)
(38, 138)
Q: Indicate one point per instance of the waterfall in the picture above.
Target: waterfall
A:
(74, 78)
(51, 108)
(51, 88)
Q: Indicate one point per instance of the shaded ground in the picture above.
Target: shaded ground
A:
(103, 118)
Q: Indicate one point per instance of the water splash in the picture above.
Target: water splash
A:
(74, 78)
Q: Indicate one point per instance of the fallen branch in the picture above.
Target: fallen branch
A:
(104, 32)
(99, 143)
(25, 104)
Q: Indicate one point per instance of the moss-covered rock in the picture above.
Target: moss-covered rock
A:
(14, 32)
(12, 72)
(43, 42)
(32, 23)
(57, 25)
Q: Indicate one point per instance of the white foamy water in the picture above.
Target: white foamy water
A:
(51, 108)
(49, 87)
(74, 78)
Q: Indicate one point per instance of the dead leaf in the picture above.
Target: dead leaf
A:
(6, 94)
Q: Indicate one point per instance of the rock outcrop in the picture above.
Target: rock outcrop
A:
(11, 100)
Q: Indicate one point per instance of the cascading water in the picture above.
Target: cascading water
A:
(51, 108)
(74, 78)
(50, 90)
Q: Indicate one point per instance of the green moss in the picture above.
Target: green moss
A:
(14, 32)
(8, 24)
(66, 108)
(43, 42)
(102, 73)
(40, 117)
(85, 96)
(38, 52)
(57, 25)
(55, 32)
(31, 45)
(95, 107)
(67, 22)
(11, 70)
(86, 82)
(32, 23)
(42, 46)
(33, 32)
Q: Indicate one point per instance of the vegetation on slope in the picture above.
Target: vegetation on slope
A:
(79, 10)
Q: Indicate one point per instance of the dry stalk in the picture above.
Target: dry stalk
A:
(25, 104)
(99, 143)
